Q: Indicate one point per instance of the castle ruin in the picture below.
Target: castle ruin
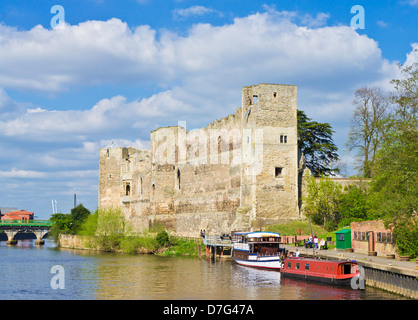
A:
(238, 173)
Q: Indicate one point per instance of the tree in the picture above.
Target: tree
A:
(316, 143)
(78, 215)
(62, 223)
(111, 228)
(322, 202)
(368, 126)
(69, 223)
(395, 184)
(89, 225)
(353, 205)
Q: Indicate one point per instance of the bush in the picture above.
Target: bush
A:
(163, 239)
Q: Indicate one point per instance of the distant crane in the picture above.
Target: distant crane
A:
(54, 206)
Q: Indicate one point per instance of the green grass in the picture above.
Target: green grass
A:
(292, 228)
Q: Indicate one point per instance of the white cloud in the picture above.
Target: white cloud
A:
(413, 3)
(16, 173)
(319, 20)
(260, 47)
(201, 73)
(195, 10)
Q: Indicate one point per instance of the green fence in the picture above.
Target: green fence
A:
(25, 223)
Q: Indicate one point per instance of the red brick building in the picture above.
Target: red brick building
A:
(17, 215)
(372, 236)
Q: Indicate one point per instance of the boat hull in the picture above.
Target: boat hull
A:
(274, 264)
(326, 280)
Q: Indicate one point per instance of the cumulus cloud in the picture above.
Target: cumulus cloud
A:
(99, 52)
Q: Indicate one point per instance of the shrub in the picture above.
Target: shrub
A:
(163, 239)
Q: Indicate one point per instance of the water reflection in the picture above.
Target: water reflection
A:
(150, 277)
(26, 275)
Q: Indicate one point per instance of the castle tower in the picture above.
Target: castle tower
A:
(269, 171)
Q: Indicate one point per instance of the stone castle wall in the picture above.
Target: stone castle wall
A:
(244, 163)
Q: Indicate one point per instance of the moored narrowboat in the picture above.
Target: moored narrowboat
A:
(327, 271)
(258, 249)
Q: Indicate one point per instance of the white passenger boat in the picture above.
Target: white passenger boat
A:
(258, 249)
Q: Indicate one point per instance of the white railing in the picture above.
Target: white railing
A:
(211, 240)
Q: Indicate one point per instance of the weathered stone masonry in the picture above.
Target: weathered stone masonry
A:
(238, 172)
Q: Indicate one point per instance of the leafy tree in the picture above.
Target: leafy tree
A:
(316, 143)
(69, 223)
(352, 205)
(78, 215)
(89, 225)
(396, 180)
(111, 228)
(368, 126)
(322, 202)
(62, 223)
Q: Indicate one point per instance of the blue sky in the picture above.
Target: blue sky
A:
(119, 69)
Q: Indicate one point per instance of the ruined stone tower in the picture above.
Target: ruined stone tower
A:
(239, 172)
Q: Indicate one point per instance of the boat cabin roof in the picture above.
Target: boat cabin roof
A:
(257, 234)
(297, 259)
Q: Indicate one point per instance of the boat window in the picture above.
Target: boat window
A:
(289, 265)
(297, 266)
(347, 269)
(307, 266)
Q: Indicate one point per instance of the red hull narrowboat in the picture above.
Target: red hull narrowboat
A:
(331, 272)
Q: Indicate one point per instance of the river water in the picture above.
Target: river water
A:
(25, 273)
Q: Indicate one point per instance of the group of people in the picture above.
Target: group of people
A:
(285, 254)
(311, 242)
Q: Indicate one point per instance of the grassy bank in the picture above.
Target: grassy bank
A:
(292, 228)
(149, 243)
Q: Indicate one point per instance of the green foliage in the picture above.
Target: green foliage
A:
(89, 226)
(316, 143)
(111, 229)
(163, 239)
(406, 235)
(68, 223)
(78, 215)
(62, 223)
(322, 202)
(394, 187)
(111, 232)
(179, 246)
(334, 208)
(143, 243)
(352, 205)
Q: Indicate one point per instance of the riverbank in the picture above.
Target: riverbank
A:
(161, 244)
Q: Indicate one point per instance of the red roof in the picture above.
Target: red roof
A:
(17, 215)
(18, 212)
